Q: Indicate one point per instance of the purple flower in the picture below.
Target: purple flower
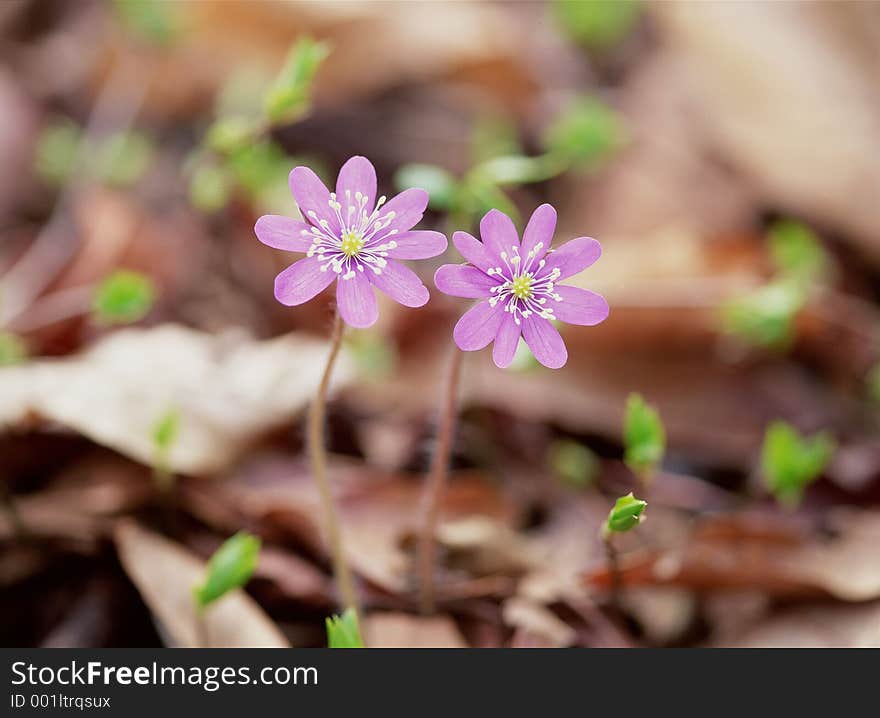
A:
(349, 236)
(518, 284)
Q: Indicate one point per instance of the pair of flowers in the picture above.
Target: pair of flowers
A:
(353, 238)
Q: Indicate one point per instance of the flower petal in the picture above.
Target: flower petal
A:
(462, 280)
(580, 306)
(544, 341)
(408, 208)
(473, 250)
(356, 175)
(539, 230)
(499, 234)
(418, 244)
(301, 281)
(573, 257)
(401, 284)
(478, 326)
(357, 301)
(506, 341)
(312, 197)
(283, 233)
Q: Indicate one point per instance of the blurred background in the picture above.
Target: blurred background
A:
(727, 156)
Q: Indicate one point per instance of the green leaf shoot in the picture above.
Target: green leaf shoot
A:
(644, 437)
(229, 568)
(626, 514)
(123, 297)
(790, 462)
(289, 96)
(344, 631)
(573, 463)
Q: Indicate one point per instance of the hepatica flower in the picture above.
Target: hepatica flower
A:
(518, 284)
(350, 237)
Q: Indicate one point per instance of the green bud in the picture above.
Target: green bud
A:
(123, 297)
(575, 464)
(797, 251)
(230, 567)
(288, 97)
(343, 631)
(644, 436)
(765, 317)
(589, 133)
(626, 514)
(597, 24)
(790, 462)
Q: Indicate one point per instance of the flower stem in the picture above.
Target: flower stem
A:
(318, 459)
(436, 484)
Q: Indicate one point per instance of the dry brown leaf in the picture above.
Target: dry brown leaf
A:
(165, 573)
(768, 79)
(379, 511)
(227, 389)
(536, 625)
(401, 630)
(814, 627)
(78, 506)
(765, 553)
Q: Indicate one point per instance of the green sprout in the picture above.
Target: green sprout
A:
(237, 151)
(766, 316)
(56, 151)
(13, 350)
(575, 464)
(625, 515)
(585, 136)
(790, 462)
(797, 252)
(344, 631)
(123, 297)
(289, 96)
(644, 438)
(597, 24)
(588, 134)
(229, 568)
(154, 21)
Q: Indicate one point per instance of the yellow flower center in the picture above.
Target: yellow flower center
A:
(522, 287)
(352, 243)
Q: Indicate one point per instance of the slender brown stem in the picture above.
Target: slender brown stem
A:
(614, 571)
(318, 458)
(436, 484)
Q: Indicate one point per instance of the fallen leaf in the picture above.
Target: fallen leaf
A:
(537, 626)
(165, 573)
(853, 626)
(401, 630)
(765, 552)
(227, 390)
